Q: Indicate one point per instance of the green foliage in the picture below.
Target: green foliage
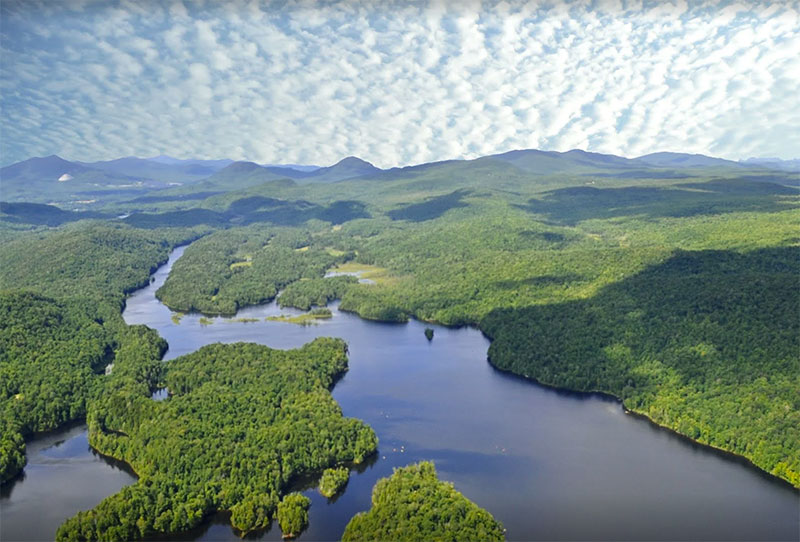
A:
(430, 208)
(242, 421)
(41, 214)
(52, 360)
(568, 206)
(249, 210)
(60, 326)
(413, 504)
(293, 514)
(305, 319)
(429, 333)
(705, 343)
(303, 294)
(91, 261)
(204, 279)
(333, 481)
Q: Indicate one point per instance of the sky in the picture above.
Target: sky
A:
(396, 82)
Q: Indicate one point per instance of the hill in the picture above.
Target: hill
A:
(683, 160)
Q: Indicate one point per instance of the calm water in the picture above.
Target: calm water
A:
(63, 476)
(549, 465)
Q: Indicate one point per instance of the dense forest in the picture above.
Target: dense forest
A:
(235, 268)
(413, 504)
(60, 324)
(241, 422)
(705, 343)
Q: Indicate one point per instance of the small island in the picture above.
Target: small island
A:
(333, 481)
(305, 319)
(413, 504)
(429, 333)
(293, 514)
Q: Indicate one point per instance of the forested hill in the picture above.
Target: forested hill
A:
(705, 343)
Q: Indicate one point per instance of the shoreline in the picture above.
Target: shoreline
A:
(722, 452)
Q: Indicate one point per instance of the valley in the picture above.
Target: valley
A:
(667, 281)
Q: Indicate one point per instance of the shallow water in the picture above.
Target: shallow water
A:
(550, 465)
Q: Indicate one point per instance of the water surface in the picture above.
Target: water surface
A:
(63, 476)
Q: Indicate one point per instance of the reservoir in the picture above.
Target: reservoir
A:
(549, 465)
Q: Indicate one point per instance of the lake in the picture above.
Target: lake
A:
(549, 465)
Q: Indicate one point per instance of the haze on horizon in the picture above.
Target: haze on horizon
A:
(396, 83)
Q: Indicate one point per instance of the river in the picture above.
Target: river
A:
(549, 465)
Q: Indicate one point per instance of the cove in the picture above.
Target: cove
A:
(550, 465)
(63, 476)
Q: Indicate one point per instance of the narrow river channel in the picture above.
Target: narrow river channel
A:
(549, 465)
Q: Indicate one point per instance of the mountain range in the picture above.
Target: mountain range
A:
(53, 179)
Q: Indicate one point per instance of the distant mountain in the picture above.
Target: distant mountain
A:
(240, 175)
(683, 160)
(217, 165)
(47, 168)
(774, 163)
(53, 179)
(178, 171)
(348, 168)
(296, 167)
(574, 161)
(170, 161)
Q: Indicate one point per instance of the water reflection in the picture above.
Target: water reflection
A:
(63, 476)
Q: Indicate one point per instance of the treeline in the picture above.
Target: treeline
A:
(242, 421)
(413, 504)
(231, 269)
(705, 343)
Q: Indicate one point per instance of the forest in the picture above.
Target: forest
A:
(61, 293)
(235, 268)
(241, 422)
(413, 504)
(705, 343)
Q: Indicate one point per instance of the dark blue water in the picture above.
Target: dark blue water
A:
(549, 465)
(63, 476)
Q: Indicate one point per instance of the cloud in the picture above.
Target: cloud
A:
(400, 83)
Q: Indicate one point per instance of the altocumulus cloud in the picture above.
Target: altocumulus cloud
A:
(397, 82)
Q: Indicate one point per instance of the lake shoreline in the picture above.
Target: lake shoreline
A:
(722, 452)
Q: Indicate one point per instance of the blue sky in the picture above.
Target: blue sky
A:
(397, 83)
